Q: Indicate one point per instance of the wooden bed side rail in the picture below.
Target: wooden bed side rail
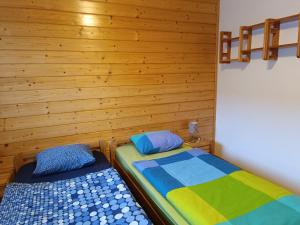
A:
(150, 207)
(28, 157)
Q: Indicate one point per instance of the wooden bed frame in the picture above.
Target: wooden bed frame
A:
(24, 158)
(109, 150)
(151, 208)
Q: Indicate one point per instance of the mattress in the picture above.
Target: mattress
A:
(126, 155)
(24, 175)
(208, 190)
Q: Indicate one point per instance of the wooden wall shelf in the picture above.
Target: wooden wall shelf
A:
(225, 47)
(271, 40)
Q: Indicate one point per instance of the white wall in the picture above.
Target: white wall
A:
(258, 104)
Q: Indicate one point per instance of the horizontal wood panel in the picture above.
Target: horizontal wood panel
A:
(46, 70)
(12, 56)
(93, 138)
(99, 92)
(111, 9)
(59, 44)
(32, 109)
(176, 37)
(16, 110)
(89, 20)
(21, 29)
(203, 6)
(94, 104)
(81, 32)
(95, 126)
(75, 71)
(102, 114)
(46, 83)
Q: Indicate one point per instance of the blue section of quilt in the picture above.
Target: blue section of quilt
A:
(169, 173)
(96, 198)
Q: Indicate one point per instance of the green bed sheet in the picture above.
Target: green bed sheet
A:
(127, 154)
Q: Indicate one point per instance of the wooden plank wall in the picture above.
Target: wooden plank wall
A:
(75, 71)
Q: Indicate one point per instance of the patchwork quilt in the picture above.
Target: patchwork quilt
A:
(96, 198)
(208, 190)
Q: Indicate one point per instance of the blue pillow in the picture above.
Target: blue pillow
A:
(154, 142)
(63, 158)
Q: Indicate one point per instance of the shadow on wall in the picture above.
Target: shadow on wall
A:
(284, 52)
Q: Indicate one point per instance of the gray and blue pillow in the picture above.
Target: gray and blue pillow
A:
(63, 158)
(154, 142)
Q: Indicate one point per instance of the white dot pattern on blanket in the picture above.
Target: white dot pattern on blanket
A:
(97, 198)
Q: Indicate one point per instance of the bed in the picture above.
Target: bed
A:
(224, 195)
(95, 194)
(123, 153)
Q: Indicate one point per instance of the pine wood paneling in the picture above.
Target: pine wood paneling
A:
(101, 125)
(59, 44)
(62, 57)
(93, 138)
(77, 70)
(40, 83)
(41, 70)
(55, 44)
(18, 97)
(32, 109)
(2, 125)
(7, 111)
(204, 6)
(95, 33)
(107, 21)
(102, 114)
(119, 10)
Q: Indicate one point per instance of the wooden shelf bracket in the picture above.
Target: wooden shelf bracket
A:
(225, 47)
(271, 39)
(245, 40)
(298, 44)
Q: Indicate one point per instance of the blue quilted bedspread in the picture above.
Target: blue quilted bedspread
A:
(96, 198)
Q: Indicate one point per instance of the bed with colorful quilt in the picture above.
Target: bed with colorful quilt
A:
(207, 190)
(93, 194)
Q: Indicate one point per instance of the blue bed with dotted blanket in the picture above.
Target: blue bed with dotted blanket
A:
(96, 198)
